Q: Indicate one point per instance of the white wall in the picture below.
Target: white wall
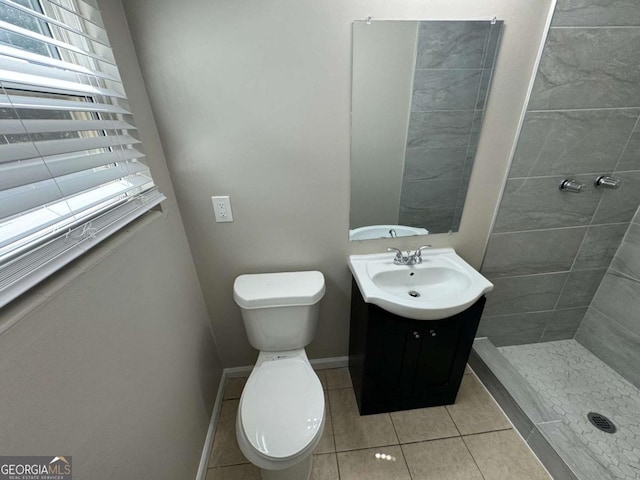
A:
(112, 360)
(252, 99)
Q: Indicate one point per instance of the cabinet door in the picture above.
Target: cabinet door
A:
(395, 349)
(413, 344)
(387, 367)
(437, 354)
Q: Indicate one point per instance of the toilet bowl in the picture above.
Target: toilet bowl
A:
(280, 418)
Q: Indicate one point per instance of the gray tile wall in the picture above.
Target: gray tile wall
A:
(611, 327)
(454, 62)
(549, 250)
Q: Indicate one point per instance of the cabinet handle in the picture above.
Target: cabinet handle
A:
(416, 335)
(433, 333)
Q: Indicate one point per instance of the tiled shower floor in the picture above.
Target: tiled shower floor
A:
(573, 382)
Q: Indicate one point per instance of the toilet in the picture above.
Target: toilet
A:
(281, 413)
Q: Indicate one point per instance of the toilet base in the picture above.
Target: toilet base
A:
(299, 471)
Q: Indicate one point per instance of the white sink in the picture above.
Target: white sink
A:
(439, 287)
(384, 231)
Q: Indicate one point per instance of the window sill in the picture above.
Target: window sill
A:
(37, 296)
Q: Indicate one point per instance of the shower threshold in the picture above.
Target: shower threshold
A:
(548, 390)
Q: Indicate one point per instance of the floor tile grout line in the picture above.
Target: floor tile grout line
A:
(497, 405)
(337, 451)
(487, 431)
(473, 458)
(395, 430)
(446, 407)
(454, 436)
(483, 432)
(338, 466)
(367, 448)
(333, 430)
(230, 465)
(406, 464)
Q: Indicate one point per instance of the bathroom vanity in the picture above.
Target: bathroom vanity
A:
(397, 363)
(413, 321)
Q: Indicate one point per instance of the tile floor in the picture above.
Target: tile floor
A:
(469, 440)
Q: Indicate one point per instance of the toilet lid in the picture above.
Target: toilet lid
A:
(282, 407)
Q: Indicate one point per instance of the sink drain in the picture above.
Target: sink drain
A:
(413, 293)
(601, 422)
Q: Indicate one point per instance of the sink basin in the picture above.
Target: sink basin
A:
(383, 231)
(441, 286)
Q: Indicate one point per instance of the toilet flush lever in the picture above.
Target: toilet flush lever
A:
(605, 181)
(570, 185)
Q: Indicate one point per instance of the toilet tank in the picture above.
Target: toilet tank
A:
(279, 310)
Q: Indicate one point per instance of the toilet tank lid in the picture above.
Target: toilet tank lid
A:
(278, 289)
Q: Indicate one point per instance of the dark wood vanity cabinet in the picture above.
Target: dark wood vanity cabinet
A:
(398, 364)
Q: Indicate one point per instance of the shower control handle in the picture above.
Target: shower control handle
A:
(605, 181)
(570, 185)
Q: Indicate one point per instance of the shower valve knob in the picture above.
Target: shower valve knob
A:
(605, 181)
(570, 185)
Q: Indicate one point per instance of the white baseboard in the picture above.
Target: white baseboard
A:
(237, 372)
(213, 422)
(317, 364)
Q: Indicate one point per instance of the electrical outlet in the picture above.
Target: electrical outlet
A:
(222, 208)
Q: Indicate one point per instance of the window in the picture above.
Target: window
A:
(71, 168)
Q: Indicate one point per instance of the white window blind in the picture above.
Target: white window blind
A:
(71, 167)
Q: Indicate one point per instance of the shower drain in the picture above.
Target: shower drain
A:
(601, 422)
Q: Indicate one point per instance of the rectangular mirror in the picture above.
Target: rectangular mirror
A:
(418, 97)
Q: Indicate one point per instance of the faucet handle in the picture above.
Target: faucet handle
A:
(418, 253)
(399, 256)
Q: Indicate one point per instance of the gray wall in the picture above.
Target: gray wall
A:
(549, 250)
(611, 327)
(252, 99)
(112, 360)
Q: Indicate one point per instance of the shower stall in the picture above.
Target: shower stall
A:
(559, 343)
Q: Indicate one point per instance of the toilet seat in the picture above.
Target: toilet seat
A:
(282, 407)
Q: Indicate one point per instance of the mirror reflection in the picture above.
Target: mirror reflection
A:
(418, 97)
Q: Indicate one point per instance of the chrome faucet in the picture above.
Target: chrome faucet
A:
(414, 258)
(417, 255)
(399, 259)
